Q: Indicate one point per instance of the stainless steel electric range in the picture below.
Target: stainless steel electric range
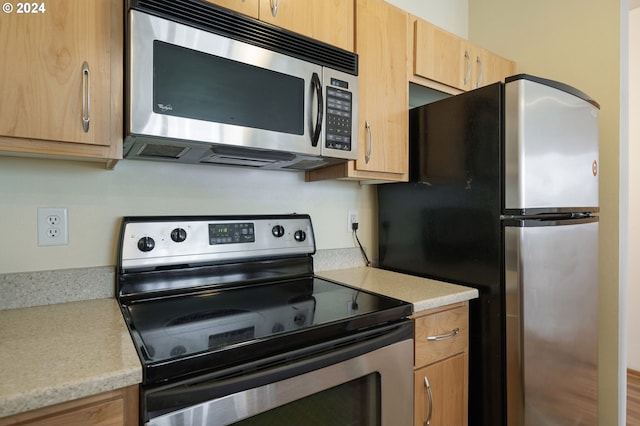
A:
(233, 327)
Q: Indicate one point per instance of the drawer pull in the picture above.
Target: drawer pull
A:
(453, 333)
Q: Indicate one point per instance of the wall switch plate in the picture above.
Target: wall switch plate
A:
(52, 226)
(351, 219)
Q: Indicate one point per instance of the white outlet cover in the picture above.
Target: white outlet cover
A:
(53, 226)
(351, 214)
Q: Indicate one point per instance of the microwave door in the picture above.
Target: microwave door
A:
(193, 85)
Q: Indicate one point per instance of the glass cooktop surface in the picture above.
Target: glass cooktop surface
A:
(215, 321)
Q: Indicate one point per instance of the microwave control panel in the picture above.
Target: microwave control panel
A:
(339, 117)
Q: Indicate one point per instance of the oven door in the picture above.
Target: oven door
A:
(366, 383)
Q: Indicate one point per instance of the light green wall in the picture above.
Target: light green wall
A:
(578, 43)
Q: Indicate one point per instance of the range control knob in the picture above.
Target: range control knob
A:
(178, 235)
(146, 244)
(300, 236)
(278, 231)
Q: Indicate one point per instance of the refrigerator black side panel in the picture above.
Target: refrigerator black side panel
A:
(445, 224)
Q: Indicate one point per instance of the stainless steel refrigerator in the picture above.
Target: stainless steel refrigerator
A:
(503, 197)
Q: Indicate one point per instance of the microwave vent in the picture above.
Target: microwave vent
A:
(223, 22)
(307, 164)
(242, 156)
(162, 151)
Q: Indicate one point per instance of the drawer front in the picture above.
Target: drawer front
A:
(441, 335)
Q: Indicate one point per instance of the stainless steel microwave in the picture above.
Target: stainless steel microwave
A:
(209, 86)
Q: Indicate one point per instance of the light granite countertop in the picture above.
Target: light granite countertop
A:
(64, 351)
(56, 353)
(423, 293)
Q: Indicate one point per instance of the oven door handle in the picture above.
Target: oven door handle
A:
(163, 399)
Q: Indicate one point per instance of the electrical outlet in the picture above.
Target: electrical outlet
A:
(351, 219)
(52, 226)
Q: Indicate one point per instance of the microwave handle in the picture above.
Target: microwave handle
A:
(317, 85)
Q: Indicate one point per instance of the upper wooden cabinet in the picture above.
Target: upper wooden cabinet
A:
(446, 62)
(61, 83)
(330, 21)
(246, 7)
(383, 118)
(435, 54)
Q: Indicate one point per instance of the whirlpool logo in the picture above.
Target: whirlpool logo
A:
(165, 108)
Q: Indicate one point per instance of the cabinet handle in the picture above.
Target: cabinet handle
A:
(274, 7)
(427, 386)
(453, 333)
(467, 61)
(86, 97)
(367, 155)
(480, 72)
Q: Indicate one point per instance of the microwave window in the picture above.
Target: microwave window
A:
(192, 84)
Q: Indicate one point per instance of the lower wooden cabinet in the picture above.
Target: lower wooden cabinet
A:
(113, 408)
(441, 366)
(440, 396)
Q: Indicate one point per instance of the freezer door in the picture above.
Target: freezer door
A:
(551, 149)
(552, 322)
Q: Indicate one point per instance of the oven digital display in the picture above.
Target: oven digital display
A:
(231, 233)
(217, 341)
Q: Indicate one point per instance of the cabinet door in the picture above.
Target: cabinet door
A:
(330, 21)
(45, 92)
(492, 67)
(440, 393)
(383, 93)
(246, 7)
(440, 335)
(483, 67)
(438, 55)
(112, 408)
